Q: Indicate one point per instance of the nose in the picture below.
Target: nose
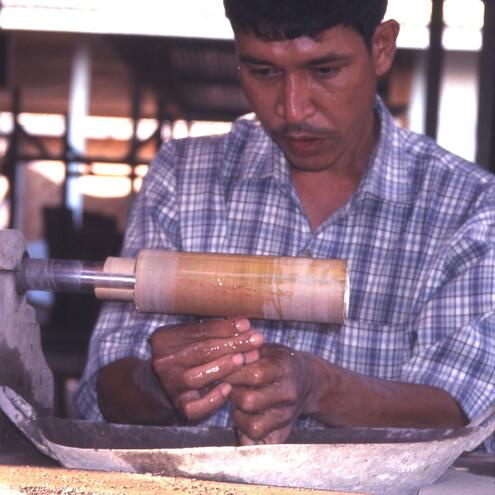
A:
(295, 104)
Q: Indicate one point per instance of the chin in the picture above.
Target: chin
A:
(314, 163)
(308, 167)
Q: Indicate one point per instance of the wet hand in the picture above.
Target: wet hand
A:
(192, 360)
(270, 394)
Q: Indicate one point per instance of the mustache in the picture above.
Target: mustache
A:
(286, 130)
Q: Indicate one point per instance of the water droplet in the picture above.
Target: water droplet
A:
(215, 369)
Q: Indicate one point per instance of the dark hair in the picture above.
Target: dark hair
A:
(288, 19)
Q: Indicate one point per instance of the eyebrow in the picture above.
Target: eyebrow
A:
(324, 59)
(331, 57)
(251, 59)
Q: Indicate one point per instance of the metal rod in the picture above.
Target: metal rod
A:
(68, 276)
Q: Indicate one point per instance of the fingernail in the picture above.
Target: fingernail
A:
(256, 338)
(225, 389)
(238, 359)
(251, 356)
(242, 324)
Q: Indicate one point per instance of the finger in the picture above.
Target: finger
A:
(244, 440)
(276, 436)
(259, 373)
(195, 408)
(251, 356)
(206, 351)
(214, 371)
(280, 435)
(255, 400)
(165, 340)
(188, 396)
(258, 426)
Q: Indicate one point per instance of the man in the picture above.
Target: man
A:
(323, 171)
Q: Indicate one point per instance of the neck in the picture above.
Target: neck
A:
(324, 191)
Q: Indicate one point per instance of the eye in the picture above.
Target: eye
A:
(263, 72)
(325, 72)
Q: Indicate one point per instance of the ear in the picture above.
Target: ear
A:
(383, 46)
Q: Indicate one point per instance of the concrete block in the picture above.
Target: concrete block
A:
(22, 363)
(12, 249)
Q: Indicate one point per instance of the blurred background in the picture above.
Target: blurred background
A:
(90, 88)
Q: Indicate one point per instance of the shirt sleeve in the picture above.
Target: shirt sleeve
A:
(120, 331)
(455, 326)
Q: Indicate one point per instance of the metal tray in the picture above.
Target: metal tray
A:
(371, 460)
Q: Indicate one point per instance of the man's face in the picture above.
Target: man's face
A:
(313, 96)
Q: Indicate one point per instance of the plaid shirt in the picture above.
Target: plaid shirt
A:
(419, 234)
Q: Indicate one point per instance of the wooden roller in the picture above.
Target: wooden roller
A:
(207, 284)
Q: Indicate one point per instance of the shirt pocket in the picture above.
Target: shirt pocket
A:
(374, 349)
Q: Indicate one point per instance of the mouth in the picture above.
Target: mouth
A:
(303, 145)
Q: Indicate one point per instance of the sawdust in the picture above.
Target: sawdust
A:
(58, 481)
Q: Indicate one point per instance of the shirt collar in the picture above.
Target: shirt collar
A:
(388, 175)
(256, 150)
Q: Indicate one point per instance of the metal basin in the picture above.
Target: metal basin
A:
(370, 460)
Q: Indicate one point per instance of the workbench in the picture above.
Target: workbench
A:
(25, 470)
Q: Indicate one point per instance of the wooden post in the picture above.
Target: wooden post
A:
(435, 67)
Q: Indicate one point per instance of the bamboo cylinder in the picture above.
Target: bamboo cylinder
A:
(267, 287)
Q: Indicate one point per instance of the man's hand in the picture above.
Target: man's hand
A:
(270, 394)
(196, 367)
(184, 377)
(192, 361)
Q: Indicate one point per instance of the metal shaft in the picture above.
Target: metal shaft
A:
(68, 276)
